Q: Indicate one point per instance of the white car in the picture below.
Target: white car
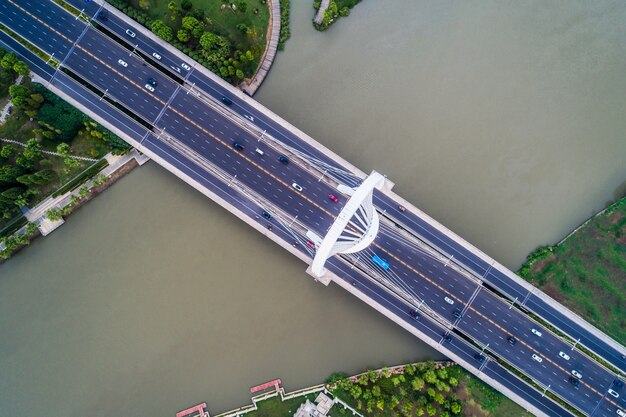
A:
(535, 331)
(613, 393)
(576, 374)
(448, 300)
(149, 87)
(185, 66)
(621, 413)
(564, 355)
(156, 56)
(297, 186)
(537, 358)
(122, 63)
(130, 33)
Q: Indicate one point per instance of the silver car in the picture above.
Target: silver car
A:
(149, 87)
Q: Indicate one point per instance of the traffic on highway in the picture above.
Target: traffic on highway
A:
(193, 122)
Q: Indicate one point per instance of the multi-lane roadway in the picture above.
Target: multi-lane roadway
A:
(186, 116)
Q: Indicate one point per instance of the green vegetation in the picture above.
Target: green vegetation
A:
(285, 33)
(275, 407)
(587, 271)
(336, 9)
(423, 389)
(228, 37)
(41, 122)
(15, 241)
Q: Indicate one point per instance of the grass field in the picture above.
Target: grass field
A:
(224, 21)
(587, 272)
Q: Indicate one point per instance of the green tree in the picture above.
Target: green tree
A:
(186, 5)
(430, 376)
(21, 68)
(407, 409)
(183, 35)
(162, 30)
(54, 214)
(242, 6)
(19, 95)
(456, 407)
(430, 409)
(243, 28)
(144, 4)
(417, 384)
(32, 150)
(8, 61)
(8, 151)
(190, 23)
(239, 74)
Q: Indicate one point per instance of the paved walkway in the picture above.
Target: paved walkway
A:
(273, 35)
(319, 17)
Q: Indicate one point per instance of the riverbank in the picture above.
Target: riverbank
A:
(329, 11)
(68, 203)
(430, 388)
(586, 270)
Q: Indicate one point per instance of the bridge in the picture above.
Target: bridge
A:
(349, 227)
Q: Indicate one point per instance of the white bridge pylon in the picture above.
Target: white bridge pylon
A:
(363, 230)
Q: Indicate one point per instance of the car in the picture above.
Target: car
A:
(537, 358)
(175, 68)
(267, 215)
(238, 146)
(185, 66)
(621, 413)
(564, 355)
(577, 374)
(574, 381)
(380, 262)
(332, 198)
(310, 244)
(283, 159)
(512, 340)
(149, 87)
(130, 33)
(480, 358)
(227, 101)
(122, 63)
(414, 314)
(259, 151)
(448, 300)
(401, 208)
(613, 393)
(103, 16)
(156, 56)
(447, 338)
(152, 82)
(536, 332)
(458, 313)
(247, 116)
(297, 186)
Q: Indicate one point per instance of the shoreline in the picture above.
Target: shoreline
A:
(94, 191)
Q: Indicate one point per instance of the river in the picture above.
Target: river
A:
(503, 120)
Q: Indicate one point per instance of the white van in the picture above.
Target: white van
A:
(259, 151)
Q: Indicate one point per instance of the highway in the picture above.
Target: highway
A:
(192, 115)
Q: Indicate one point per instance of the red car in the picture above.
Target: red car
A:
(310, 244)
(333, 198)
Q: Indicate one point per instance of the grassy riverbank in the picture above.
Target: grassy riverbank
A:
(422, 389)
(336, 9)
(229, 38)
(587, 271)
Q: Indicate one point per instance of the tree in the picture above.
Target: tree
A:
(183, 35)
(19, 95)
(7, 151)
(239, 74)
(32, 150)
(8, 61)
(144, 4)
(186, 5)
(456, 408)
(54, 214)
(190, 23)
(417, 384)
(242, 27)
(162, 30)
(430, 376)
(21, 68)
(9, 173)
(242, 6)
